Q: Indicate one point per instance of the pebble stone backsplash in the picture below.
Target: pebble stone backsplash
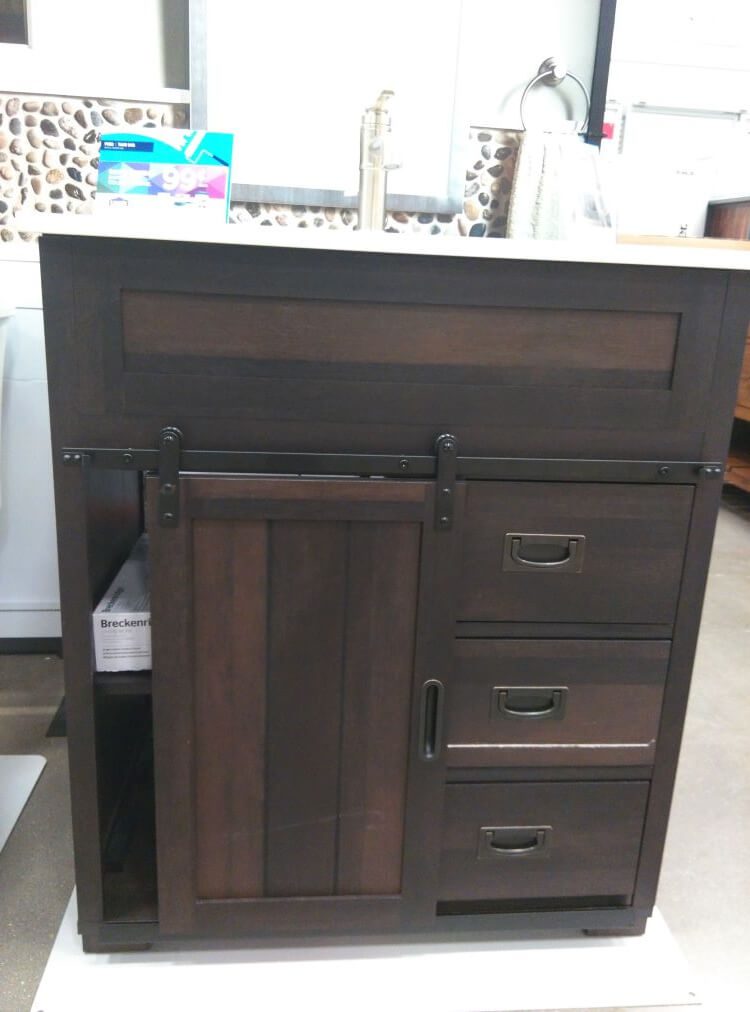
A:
(49, 160)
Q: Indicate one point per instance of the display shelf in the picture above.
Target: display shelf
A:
(123, 683)
(738, 469)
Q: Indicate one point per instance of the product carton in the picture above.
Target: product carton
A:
(122, 619)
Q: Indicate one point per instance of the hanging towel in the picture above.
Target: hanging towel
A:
(557, 189)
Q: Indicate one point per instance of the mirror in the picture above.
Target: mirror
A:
(307, 71)
(13, 24)
(292, 79)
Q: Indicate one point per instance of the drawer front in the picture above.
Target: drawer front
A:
(573, 552)
(323, 351)
(555, 842)
(555, 702)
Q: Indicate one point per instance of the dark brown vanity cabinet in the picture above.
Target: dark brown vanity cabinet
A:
(428, 544)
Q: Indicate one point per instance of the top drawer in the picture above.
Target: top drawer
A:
(556, 552)
(355, 352)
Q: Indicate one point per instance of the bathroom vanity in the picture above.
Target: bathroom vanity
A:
(429, 522)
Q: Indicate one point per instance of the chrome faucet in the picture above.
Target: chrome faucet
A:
(374, 163)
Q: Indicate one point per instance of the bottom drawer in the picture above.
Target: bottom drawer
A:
(552, 842)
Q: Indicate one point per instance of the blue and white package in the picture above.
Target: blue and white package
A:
(162, 171)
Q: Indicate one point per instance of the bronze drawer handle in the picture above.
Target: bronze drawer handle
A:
(512, 841)
(571, 548)
(529, 702)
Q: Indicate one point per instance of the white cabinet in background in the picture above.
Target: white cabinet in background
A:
(29, 595)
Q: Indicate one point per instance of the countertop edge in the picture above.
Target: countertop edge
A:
(658, 254)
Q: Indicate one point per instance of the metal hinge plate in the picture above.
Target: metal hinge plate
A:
(446, 453)
(170, 446)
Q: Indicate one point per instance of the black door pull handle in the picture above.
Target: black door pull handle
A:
(431, 720)
(529, 702)
(512, 841)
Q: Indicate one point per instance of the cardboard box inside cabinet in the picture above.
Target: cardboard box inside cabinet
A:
(122, 619)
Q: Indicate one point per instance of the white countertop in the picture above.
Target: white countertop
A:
(661, 253)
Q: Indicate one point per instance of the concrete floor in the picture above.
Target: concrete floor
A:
(36, 865)
(705, 885)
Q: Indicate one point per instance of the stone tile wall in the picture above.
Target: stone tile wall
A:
(49, 151)
(49, 160)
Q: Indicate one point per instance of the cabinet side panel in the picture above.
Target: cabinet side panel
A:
(380, 631)
(230, 690)
(307, 593)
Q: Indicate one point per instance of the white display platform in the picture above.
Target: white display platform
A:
(18, 777)
(497, 976)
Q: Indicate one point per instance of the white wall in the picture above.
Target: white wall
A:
(689, 53)
(134, 50)
(680, 56)
(503, 46)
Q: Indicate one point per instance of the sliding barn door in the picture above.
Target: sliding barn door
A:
(300, 628)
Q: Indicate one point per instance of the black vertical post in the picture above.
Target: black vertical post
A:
(600, 76)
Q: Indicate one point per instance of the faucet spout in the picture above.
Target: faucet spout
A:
(374, 163)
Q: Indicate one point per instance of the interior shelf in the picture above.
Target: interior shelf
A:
(738, 469)
(123, 683)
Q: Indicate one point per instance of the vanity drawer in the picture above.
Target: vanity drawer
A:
(555, 702)
(573, 552)
(533, 841)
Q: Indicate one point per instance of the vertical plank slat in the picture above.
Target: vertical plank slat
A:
(230, 692)
(172, 610)
(307, 592)
(379, 664)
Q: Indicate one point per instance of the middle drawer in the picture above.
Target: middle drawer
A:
(514, 702)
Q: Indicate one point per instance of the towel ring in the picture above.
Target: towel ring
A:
(553, 72)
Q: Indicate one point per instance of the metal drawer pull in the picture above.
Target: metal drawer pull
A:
(529, 702)
(512, 841)
(523, 552)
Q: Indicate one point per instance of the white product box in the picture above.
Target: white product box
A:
(122, 619)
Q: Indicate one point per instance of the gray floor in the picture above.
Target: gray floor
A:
(705, 885)
(36, 866)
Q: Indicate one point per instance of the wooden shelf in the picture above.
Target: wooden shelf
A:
(738, 469)
(123, 683)
(130, 892)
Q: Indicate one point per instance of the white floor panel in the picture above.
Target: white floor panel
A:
(18, 777)
(553, 973)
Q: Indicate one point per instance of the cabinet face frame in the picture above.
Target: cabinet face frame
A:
(175, 658)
